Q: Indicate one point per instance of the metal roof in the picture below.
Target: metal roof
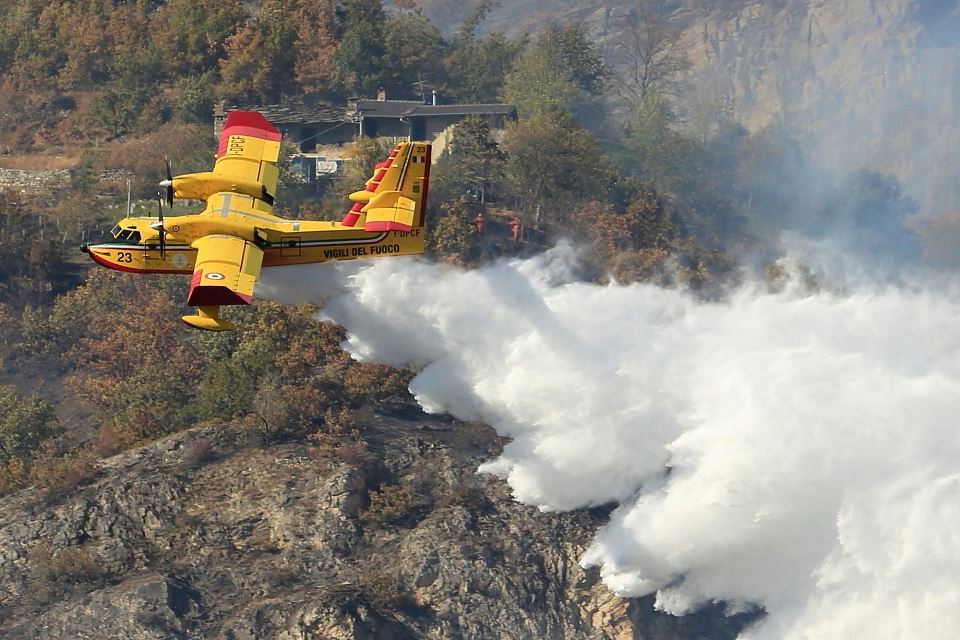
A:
(296, 112)
(407, 108)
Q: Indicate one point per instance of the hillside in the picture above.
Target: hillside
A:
(210, 533)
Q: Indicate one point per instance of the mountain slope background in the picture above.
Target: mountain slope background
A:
(866, 83)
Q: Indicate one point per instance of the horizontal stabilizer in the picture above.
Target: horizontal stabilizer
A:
(361, 196)
(390, 211)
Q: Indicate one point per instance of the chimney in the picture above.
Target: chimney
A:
(381, 94)
(434, 96)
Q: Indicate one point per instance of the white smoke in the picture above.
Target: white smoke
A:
(797, 452)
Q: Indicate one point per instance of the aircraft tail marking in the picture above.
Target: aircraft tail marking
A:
(394, 197)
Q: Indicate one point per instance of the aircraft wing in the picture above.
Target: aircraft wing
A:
(248, 150)
(225, 271)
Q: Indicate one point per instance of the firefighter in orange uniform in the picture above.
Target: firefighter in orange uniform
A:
(515, 227)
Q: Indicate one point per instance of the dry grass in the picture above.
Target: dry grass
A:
(62, 475)
(37, 162)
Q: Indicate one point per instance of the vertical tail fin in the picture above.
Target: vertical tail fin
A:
(395, 196)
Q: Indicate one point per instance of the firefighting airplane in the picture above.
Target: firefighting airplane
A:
(226, 244)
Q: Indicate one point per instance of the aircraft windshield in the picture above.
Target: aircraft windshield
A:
(130, 236)
(115, 231)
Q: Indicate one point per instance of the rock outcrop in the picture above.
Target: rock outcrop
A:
(42, 183)
(209, 534)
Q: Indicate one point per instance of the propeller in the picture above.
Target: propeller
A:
(158, 225)
(168, 183)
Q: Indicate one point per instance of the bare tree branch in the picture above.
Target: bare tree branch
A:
(647, 58)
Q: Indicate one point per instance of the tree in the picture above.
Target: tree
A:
(24, 423)
(187, 145)
(194, 97)
(560, 73)
(135, 367)
(574, 48)
(360, 54)
(414, 52)
(33, 267)
(648, 58)
(552, 164)
(450, 236)
(48, 334)
(685, 171)
(191, 33)
(630, 245)
(773, 182)
(471, 164)
(259, 59)
(136, 66)
(83, 175)
(867, 215)
(477, 68)
(316, 43)
(244, 69)
(274, 367)
(87, 50)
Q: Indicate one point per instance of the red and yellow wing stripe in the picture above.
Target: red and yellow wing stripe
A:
(248, 149)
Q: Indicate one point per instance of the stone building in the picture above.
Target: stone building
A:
(323, 133)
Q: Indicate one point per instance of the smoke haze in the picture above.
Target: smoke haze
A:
(792, 451)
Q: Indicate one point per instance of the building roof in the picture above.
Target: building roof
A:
(296, 112)
(407, 108)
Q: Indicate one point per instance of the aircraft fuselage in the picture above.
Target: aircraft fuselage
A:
(136, 244)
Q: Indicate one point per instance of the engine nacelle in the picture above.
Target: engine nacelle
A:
(200, 186)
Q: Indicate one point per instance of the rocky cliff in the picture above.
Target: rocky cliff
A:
(212, 534)
(866, 83)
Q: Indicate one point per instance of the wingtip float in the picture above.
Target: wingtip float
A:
(225, 246)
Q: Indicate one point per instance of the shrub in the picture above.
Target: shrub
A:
(377, 384)
(25, 422)
(391, 504)
(197, 453)
(14, 475)
(61, 476)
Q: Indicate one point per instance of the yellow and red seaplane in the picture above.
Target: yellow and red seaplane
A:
(225, 245)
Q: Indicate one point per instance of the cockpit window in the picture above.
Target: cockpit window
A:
(115, 232)
(128, 235)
